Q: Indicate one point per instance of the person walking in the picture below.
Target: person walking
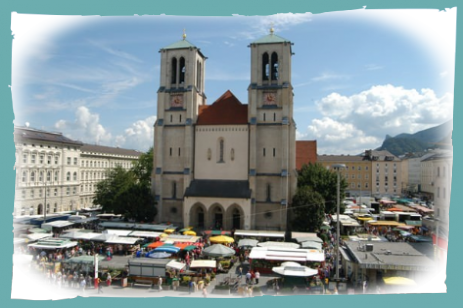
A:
(248, 277)
(257, 274)
(83, 283)
(99, 285)
(160, 283)
(108, 279)
(204, 292)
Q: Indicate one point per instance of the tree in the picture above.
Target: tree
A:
(308, 210)
(128, 192)
(324, 182)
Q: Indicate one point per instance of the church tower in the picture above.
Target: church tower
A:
(272, 169)
(180, 94)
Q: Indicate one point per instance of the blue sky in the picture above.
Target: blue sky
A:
(357, 75)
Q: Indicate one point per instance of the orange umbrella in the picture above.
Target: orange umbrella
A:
(155, 244)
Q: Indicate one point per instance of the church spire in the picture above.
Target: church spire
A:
(271, 29)
(184, 34)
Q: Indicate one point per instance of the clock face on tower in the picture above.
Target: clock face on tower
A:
(176, 101)
(270, 98)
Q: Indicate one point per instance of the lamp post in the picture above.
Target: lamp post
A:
(338, 168)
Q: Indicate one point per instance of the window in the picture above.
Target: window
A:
(360, 168)
(366, 185)
(209, 154)
(48, 176)
(263, 152)
(75, 161)
(173, 74)
(68, 176)
(55, 208)
(366, 176)
(33, 176)
(68, 190)
(274, 66)
(74, 190)
(274, 117)
(182, 70)
(23, 194)
(33, 158)
(41, 159)
(170, 151)
(232, 154)
(49, 159)
(48, 192)
(55, 192)
(74, 176)
(32, 193)
(352, 185)
(179, 151)
(180, 118)
(171, 118)
(174, 189)
(24, 158)
(24, 178)
(41, 176)
(438, 192)
(274, 152)
(68, 160)
(221, 149)
(56, 160)
(359, 176)
(56, 176)
(353, 176)
(265, 67)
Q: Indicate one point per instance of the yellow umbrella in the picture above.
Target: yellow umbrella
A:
(162, 235)
(189, 232)
(399, 281)
(221, 239)
(169, 231)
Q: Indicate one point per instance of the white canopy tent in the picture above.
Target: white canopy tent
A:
(298, 271)
(203, 264)
(122, 240)
(286, 254)
(279, 244)
(176, 265)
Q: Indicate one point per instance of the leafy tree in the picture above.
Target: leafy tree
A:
(307, 210)
(129, 192)
(324, 182)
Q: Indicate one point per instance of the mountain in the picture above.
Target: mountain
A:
(435, 137)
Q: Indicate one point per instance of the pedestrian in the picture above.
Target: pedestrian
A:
(82, 284)
(190, 286)
(160, 283)
(248, 277)
(257, 277)
(108, 279)
(99, 285)
(240, 272)
(205, 292)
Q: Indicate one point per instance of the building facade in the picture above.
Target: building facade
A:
(95, 162)
(227, 165)
(357, 172)
(58, 172)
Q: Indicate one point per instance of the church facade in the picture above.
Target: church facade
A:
(227, 165)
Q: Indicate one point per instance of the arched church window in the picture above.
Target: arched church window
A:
(265, 67)
(274, 66)
(174, 71)
(209, 154)
(182, 70)
(232, 154)
(198, 75)
(221, 149)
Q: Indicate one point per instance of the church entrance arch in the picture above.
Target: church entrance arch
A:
(40, 209)
(216, 216)
(198, 215)
(235, 217)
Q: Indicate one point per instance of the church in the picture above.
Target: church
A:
(226, 165)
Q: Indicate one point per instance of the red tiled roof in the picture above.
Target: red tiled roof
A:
(225, 110)
(306, 152)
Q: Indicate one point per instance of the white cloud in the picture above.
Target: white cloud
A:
(443, 74)
(86, 127)
(360, 121)
(373, 67)
(41, 49)
(329, 76)
(115, 52)
(260, 25)
(26, 24)
(139, 136)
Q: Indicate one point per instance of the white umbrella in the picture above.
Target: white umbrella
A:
(218, 250)
(22, 259)
(298, 271)
(290, 263)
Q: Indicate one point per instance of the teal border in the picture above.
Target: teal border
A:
(207, 8)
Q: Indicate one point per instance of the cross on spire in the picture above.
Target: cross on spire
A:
(184, 34)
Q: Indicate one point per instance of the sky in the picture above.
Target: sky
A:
(357, 75)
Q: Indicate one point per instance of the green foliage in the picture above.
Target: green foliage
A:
(307, 210)
(324, 182)
(128, 192)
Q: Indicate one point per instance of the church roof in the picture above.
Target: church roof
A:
(271, 38)
(219, 189)
(226, 110)
(179, 45)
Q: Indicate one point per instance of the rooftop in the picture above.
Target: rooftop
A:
(101, 149)
(226, 110)
(21, 133)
